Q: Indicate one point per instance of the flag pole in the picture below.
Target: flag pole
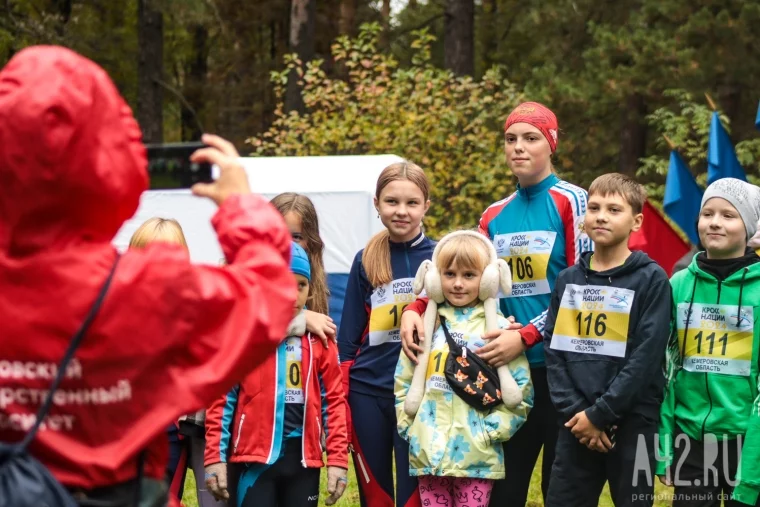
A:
(710, 102)
(670, 143)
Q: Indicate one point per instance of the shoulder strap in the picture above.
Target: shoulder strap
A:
(454, 347)
(67, 357)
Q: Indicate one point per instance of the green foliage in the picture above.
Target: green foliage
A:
(450, 126)
(687, 125)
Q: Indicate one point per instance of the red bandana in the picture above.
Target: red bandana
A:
(537, 115)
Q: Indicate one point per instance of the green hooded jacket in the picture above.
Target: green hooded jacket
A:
(712, 385)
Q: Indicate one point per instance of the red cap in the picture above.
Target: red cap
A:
(537, 115)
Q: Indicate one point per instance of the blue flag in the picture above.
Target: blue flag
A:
(683, 197)
(721, 157)
(757, 118)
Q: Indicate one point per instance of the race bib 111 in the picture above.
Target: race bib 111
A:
(718, 339)
(593, 319)
(388, 302)
(527, 254)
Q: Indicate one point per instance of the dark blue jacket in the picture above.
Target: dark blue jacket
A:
(369, 342)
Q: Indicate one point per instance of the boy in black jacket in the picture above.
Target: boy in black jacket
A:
(605, 340)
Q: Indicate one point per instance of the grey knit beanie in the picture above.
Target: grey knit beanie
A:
(743, 196)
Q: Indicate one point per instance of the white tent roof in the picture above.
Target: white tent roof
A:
(341, 187)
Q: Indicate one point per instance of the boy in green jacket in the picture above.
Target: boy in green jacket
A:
(711, 400)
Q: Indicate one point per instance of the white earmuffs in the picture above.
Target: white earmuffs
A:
(495, 276)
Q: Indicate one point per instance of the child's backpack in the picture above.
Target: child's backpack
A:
(24, 481)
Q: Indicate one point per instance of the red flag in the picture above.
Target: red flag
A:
(658, 240)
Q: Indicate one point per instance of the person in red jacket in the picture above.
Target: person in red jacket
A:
(263, 439)
(170, 336)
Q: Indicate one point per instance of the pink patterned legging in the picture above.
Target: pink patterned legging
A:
(454, 491)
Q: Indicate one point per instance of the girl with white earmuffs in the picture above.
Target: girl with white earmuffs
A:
(455, 441)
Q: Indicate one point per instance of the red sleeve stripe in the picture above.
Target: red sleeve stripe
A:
(571, 205)
(492, 212)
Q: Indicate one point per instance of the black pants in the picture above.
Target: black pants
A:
(286, 483)
(522, 450)
(579, 474)
(712, 466)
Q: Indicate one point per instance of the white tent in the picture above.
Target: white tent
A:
(342, 190)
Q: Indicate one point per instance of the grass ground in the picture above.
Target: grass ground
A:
(351, 496)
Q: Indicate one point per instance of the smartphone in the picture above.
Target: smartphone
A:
(169, 166)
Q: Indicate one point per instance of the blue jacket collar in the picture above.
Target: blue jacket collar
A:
(416, 241)
(538, 188)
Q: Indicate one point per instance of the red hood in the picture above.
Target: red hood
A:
(72, 164)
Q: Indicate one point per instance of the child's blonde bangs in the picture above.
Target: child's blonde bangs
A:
(166, 230)
(465, 252)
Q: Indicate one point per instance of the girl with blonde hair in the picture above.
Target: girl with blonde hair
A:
(379, 288)
(186, 439)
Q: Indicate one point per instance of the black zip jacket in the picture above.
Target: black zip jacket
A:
(592, 368)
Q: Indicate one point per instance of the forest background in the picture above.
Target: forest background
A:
(429, 80)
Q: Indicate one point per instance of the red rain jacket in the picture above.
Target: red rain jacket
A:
(253, 412)
(170, 336)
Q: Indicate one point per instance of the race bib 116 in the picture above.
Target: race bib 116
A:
(593, 319)
(718, 339)
(527, 254)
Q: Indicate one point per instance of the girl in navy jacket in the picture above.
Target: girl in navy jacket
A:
(379, 288)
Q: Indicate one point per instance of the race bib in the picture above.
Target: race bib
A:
(436, 376)
(719, 338)
(593, 319)
(388, 302)
(527, 254)
(294, 381)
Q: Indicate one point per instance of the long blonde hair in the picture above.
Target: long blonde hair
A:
(376, 257)
(155, 229)
(290, 202)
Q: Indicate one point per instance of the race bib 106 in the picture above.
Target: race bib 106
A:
(593, 319)
(294, 381)
(718, 340)
(388, 302)
(527, 254)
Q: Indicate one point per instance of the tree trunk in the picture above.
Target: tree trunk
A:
(302, 24)
(195, 81)
(459, 36)
(633, 134)
(150, 67)
(347, 17)
(63, 10)
(385, 14)
(729, 97)
(488, 35)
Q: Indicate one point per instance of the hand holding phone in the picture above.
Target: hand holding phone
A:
(232, 178)
(170, 167)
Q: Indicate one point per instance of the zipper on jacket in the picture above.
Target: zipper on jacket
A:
(240, 432)
(305, 388)
(707, 382)
(408, 264)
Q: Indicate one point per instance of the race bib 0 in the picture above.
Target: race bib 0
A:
(593, 319)
(294, 381)
(388, 302)
(527, 254)
(439, 353)
(718, 340)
